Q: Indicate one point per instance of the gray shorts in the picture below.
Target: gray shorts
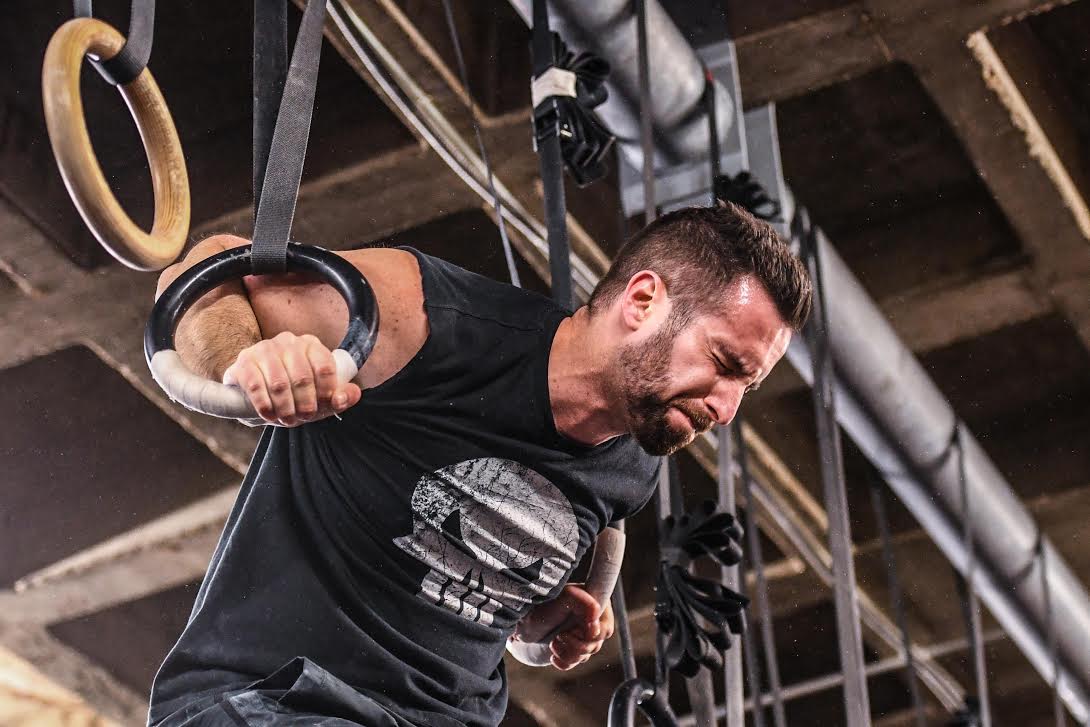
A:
(298, 694)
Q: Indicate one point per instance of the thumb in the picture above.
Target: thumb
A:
(588, 611)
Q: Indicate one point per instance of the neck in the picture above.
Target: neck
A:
(585, 406)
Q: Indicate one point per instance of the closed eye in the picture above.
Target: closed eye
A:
(730, 365)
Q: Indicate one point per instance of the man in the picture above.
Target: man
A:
(392, 532)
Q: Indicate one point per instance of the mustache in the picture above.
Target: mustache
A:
(702, 422)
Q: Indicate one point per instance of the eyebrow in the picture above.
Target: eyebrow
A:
(737, 362)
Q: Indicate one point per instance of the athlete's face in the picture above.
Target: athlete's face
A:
(677, 384)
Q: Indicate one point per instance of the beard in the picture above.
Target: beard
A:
(645, 369)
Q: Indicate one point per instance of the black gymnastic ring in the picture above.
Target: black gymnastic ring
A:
(235, 263)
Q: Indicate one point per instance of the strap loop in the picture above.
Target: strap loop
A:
(553, 82)
(132, 59)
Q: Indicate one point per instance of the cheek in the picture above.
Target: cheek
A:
(692, 376)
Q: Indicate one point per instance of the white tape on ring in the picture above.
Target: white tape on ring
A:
(553, 82)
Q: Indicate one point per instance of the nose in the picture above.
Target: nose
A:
(723, 401)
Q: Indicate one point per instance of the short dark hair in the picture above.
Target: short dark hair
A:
(699, 251)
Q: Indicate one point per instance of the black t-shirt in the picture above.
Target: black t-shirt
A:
(397, 547)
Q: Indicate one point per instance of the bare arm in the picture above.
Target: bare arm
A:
(221, 324)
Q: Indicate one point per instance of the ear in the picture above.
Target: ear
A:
(643, 289)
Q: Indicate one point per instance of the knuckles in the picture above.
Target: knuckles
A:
(288, 378)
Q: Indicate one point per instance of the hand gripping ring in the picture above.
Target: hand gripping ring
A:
(76, 157)
(220, 400)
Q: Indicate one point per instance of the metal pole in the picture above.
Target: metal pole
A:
(1058, 711)
(856, 702)
(768, 638)
(663, 505)
(624, 631)
(972, 605)
(732, 662)
(893, 583)
(647, 142)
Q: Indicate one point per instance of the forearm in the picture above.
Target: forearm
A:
(221, 324)
(212, 333)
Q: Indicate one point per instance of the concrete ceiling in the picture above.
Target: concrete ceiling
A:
(944, 147)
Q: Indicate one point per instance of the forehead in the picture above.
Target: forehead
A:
(746, 316)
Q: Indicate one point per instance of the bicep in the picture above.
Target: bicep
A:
(304, 305)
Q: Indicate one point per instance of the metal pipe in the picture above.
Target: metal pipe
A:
(902, 423)
(608, 28)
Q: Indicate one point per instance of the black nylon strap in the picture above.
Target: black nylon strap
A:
(270, 70)
(647, 144)
(552, 168)
(714, 153)
(133, 57)
(280, 187)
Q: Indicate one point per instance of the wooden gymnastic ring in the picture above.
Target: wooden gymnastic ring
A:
(76, 157)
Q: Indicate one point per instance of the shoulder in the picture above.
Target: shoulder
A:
(396, 278)
(448, 287)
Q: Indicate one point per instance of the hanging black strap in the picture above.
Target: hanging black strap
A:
(287, 149)
(647, 144)
(270, 70)
(547, 139)
(133, 57)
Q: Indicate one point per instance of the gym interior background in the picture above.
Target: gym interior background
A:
(944, 147)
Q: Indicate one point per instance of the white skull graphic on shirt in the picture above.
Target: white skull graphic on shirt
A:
(493, 533)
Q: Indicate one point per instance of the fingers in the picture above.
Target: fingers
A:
(607, 622)
(585, 608)
(278, 385)
(569, 650)
(291, 380)
(302, 381)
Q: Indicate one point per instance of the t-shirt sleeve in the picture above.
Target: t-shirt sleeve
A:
(645, 493)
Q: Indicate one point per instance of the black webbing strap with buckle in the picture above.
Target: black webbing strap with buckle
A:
(279, 153)
(547, 142)
(133, 57)
(565, 89)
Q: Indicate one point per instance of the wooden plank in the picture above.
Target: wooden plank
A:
(76, 672)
